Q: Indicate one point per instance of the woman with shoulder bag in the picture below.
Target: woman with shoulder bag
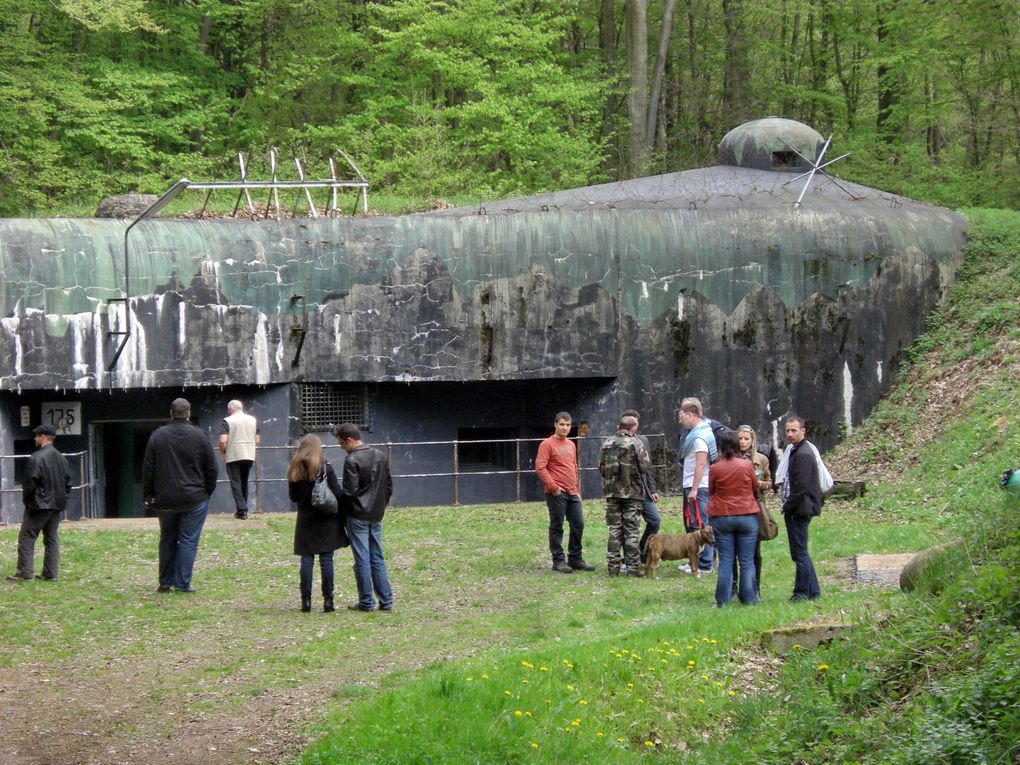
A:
(748, 440)
(317, 532)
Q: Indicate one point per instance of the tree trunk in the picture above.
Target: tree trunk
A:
(637, 94)
(660, 70)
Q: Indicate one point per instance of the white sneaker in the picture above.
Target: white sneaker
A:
(686, 568)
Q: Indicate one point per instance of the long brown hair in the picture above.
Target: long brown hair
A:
(304, 465)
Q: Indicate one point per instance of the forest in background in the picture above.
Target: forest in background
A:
(492, 98)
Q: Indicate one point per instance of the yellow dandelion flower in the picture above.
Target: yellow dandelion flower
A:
(534, 745)
(691, 663)
(575, 722)
(600, 734)
(525, 681)
(517, 713)
(649, 743)
(704, 677)
(640, 701)
(527, 713)
(663, 661)
(690, 648)
(822, 667)
(485, 677)
(630, 685)
(506, 693)
(527, 664)
(797, 647)
(712, 642)
(718, 683)
(733, 693)
(570, 666)
(619, 741)
(543, 669)
(570, 687)
(701, 701)
(583, 703)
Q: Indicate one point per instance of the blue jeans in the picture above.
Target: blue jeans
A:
(178, 545)
(691, 523)
(805, 583)
(735, 537)
(325, 569)
(652, 523)
(566, 506)
(369, 566)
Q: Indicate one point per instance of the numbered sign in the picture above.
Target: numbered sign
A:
(65, 416)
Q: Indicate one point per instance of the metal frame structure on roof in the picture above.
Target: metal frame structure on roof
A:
(244, 187)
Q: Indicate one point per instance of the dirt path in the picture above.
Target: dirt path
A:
(127, 707)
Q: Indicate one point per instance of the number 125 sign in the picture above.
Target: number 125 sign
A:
(65, 416)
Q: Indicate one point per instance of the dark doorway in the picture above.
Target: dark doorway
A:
(118, 448)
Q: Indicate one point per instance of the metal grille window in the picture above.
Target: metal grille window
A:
(324, 405)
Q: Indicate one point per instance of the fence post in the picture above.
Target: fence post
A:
(517, 475)
(456, 474)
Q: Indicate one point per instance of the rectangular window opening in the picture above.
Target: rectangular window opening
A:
(498, 453)
(782, 159)
(323, 406)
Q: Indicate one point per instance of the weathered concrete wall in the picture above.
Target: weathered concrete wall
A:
(707, 282)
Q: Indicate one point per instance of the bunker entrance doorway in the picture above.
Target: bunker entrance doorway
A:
(117, 448)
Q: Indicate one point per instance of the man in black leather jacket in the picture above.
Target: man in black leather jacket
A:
(44, 491)
(368, 485)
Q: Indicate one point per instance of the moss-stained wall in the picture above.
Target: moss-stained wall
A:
(707, 282)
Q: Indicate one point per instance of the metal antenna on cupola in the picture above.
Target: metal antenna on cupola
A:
(817, 166)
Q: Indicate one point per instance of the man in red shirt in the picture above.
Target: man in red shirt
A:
(556, 465)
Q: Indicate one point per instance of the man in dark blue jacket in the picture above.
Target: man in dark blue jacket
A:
(801, 496)
(178, 477)
(368, 485)
(44, 490)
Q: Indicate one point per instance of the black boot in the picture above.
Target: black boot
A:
(306, 603)
(327, 605)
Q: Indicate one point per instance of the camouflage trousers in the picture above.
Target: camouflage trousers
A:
(623, 517)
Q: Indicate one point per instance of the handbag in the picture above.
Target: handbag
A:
(323, 499)
(767, 528)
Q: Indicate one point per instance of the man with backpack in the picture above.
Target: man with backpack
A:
(623, 463)
(697, 452)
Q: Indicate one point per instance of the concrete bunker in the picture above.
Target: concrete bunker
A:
(483, 320)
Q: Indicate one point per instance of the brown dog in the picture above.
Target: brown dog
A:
(677, 547)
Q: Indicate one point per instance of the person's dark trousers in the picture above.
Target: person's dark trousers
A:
(178, 545)
(325, 570)
(237, 472)
(805, 583)
(706, 559)
(565, 506)
(45, 521)
(652, 523)
(369, 565)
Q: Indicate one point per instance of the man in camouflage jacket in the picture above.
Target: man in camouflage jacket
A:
(623, 462)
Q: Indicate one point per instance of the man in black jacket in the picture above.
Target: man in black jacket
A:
(178, 477)
(801, 496)
(44, 491)
(368, 485)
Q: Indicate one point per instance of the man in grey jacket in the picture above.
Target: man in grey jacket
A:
(368, 485)
(178, 477)
(44, 491)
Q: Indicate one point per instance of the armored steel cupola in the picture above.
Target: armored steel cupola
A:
(772, 143)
